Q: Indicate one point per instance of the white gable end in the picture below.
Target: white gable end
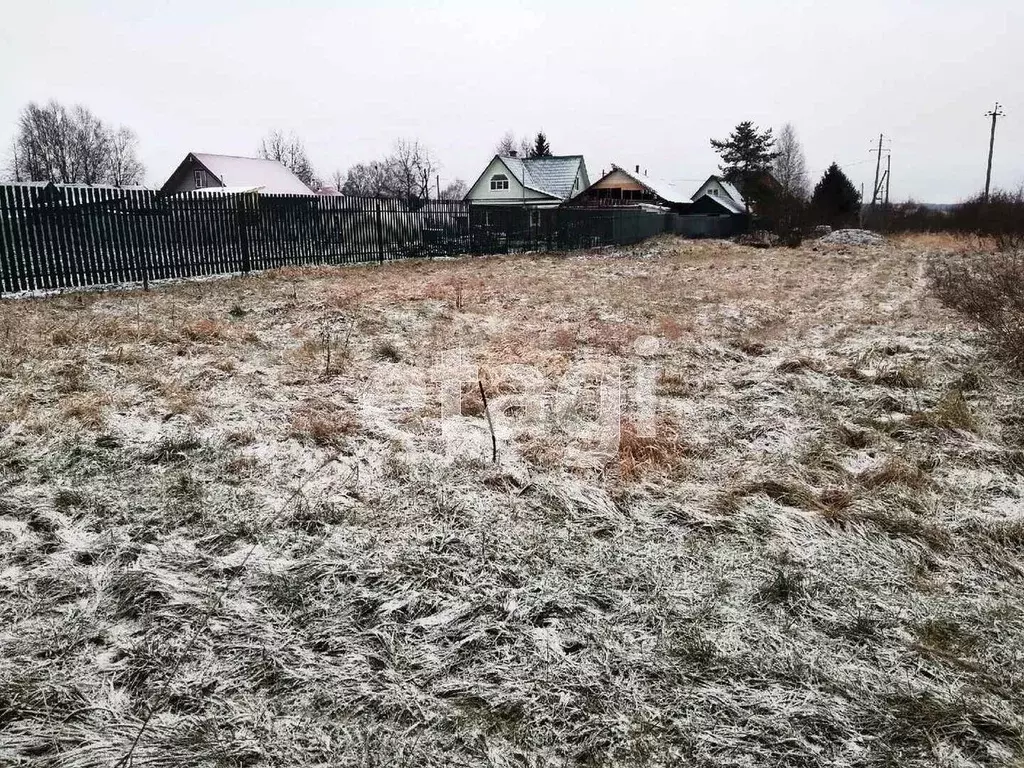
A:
(482, 192)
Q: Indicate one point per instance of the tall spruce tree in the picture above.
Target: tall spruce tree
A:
(541, 148)
(835, 200)
(747, 159)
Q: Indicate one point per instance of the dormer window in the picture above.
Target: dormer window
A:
(499, 181)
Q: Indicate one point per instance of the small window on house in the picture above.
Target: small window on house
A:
(199, 177)
(487, 218)
(534, 217)
(499, 181)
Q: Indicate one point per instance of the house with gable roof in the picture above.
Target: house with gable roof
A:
(535, 182)
(228, 173)
(722, 192)
(621, 188)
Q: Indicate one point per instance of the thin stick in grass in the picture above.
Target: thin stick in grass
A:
(490, 423)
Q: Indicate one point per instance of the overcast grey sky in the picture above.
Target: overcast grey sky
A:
(623, 82)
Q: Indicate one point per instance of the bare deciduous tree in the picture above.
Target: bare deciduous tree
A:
(414, 168)
(789, 166)
(509, 145)
(373, 179)
(291, 153)
(406, 173)
(72, 146)
(456, 190)
(125, 168)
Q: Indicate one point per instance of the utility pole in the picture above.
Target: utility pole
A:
(995, 114)
(878, 167)
(888, 169)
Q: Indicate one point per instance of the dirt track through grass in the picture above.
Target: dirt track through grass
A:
(814, 559)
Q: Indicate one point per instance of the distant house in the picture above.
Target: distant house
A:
(732, 197)
(722, 194)
(620, 188)
(536, 182)
(229, 173)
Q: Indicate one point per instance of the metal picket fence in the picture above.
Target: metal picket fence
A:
(54, 237)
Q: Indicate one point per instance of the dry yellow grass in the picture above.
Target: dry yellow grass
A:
(803, 549)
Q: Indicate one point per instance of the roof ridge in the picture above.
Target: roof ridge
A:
(236, 157)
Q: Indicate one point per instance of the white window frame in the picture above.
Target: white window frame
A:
(499, 181)
(199, 178)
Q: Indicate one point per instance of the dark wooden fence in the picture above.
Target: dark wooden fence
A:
(55, 237)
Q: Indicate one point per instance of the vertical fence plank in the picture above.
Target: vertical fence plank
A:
(257, 230)
(72, 223)
(159, 237)
(58, 241)
(34, 240)
(242, 233)
(25, 230)
(113, 202)
(116, 247)
(8, 224)
(6, 271)
(195, 256)
(207, 241)
(223, 243)
(65, 237)
(90, 225)
(172, 224)
(137, 222)
(23, 265)
(96, 214)
(179, 229)
(223, 263)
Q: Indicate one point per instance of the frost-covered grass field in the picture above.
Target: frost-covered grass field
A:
(816, 558)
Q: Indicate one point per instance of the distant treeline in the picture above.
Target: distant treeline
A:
(1000, 217)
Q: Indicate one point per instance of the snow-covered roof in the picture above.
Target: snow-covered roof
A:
(734, 193)
(554, 175)
(269, 175)
(725, 202)
(659, 186)
(732, 200)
